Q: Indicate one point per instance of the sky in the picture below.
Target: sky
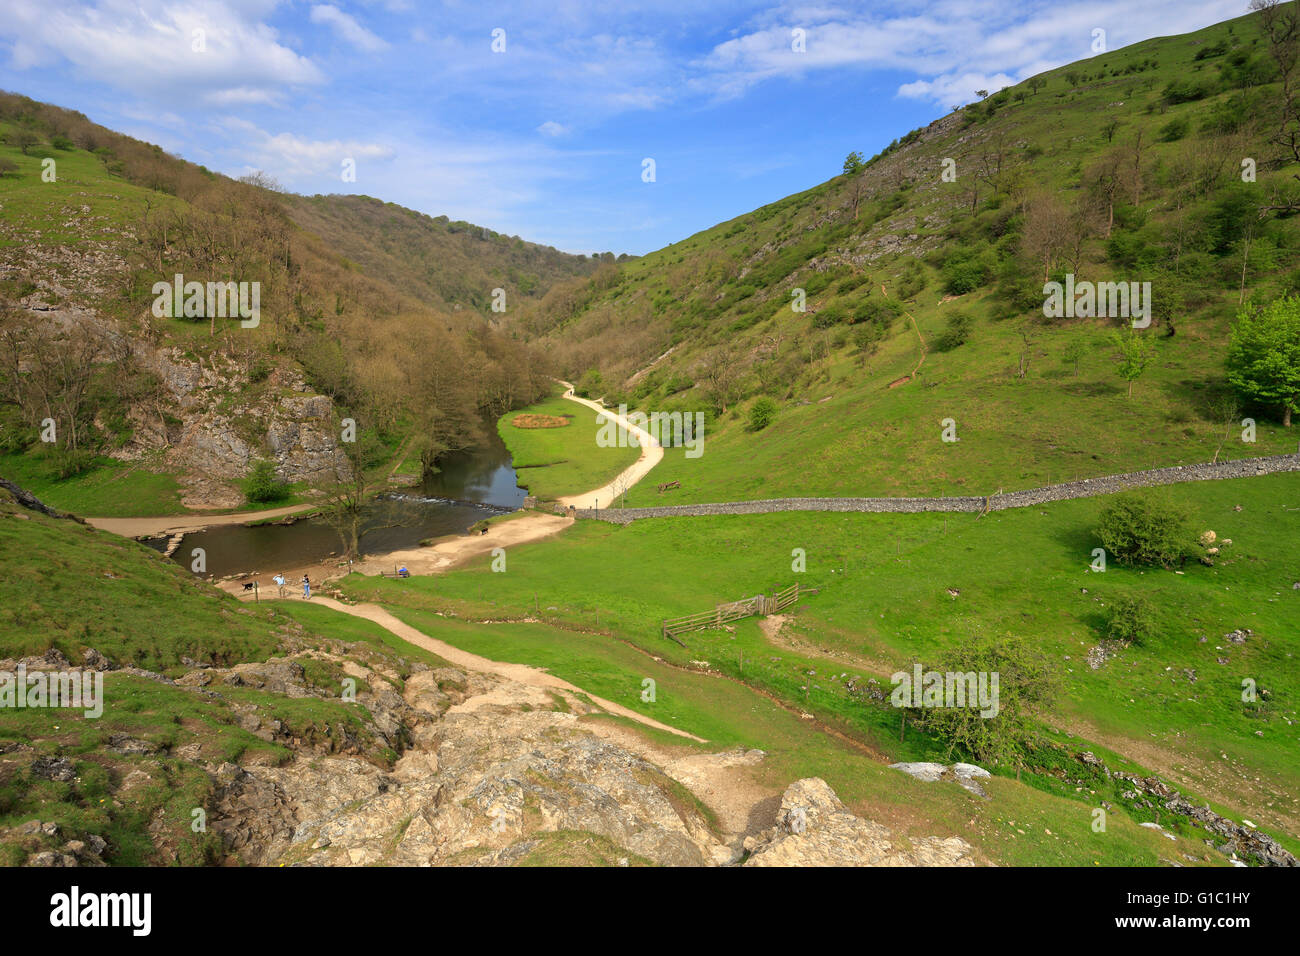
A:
(536, 118)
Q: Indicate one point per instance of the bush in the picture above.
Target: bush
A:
(964, 275)
(1132, 620)
(262, 485)
(591, 385)
(1145, 529)
(828, 316)
(1173, 131)
(955, 334)
(761, 414)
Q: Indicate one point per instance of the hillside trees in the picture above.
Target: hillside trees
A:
(1135, 353)
(1281, 23)
(1264, 355)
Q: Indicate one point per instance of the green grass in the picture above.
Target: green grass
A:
(730, 714)
(71, 587)
(111, 489)
(884, 600)
(555, 462)
(840, 428)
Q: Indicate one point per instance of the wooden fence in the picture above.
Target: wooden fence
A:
(733, 611)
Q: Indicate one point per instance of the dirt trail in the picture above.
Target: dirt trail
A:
(520, 673)
(651, 454)
(173, 524)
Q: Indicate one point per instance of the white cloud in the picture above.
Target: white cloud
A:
(552, 128)
(955, 48)
(149, 47)
(347, 28)
(949, 90)
(291, 158)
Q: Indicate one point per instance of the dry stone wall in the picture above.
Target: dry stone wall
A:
(1087, 488)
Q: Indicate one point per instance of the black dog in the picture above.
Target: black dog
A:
(248, 586)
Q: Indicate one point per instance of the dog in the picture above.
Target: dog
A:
(248, 585)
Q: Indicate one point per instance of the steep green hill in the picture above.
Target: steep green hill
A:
(924, 296)
(385, 312)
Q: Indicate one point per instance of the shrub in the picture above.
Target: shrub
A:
(1145, 529)
(761, 414)
(591, 385)
(827, 316)
(262, 485)
(1173, 131)
(1132, 620)
(955, 334)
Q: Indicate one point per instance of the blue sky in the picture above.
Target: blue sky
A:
(546, 139)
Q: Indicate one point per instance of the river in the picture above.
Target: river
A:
(472, 485)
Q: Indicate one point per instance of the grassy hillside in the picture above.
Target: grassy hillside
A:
(1172, 704)
(385, 311)
(132, 776)
(1123, 167)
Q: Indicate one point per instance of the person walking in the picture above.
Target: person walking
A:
(306, 588)
(279, 582)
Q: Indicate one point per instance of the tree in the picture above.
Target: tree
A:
(1136, 352)
(1264, 355)
(1074, 352)
(1145, 528)
(1027, 683)
(853, 166)
(344, 497)
(1281, 23)
(262, 484)
(1104, 179)
(1132, 620)
(720, 376)
(1045, 234)
(24, 139)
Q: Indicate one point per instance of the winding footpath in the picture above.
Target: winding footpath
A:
(521, 673)
(651, 454)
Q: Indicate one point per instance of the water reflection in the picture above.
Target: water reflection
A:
(472, 485)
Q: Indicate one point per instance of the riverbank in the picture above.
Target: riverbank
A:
(431, 559)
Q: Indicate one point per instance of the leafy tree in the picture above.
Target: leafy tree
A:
(853, 163)
(262, 484)
(1027, 683)
(761, 414)
(1074, 352)
(1132, 620)
(1264, 355)
(591, 385)
(1145, 528)
(1136, 352)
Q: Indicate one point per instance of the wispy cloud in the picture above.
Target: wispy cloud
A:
(347, 28)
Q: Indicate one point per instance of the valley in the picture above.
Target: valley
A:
(650, 566)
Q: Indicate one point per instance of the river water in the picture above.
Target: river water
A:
(471, 486)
